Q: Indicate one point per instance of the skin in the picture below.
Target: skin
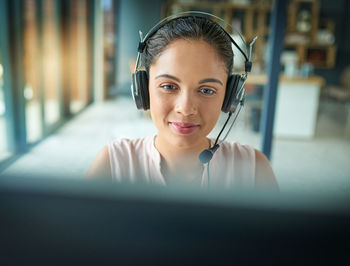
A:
(177, 97)
(187, 85)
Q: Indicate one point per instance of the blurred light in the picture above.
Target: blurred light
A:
(2, 106)
(107, 4)
(28, 92)
(1, 71)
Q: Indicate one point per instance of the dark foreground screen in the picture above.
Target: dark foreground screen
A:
(51, 221)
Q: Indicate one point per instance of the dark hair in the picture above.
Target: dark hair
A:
(195, 28)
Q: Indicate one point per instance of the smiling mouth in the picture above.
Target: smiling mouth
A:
(183, 128)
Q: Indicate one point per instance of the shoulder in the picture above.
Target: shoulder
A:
(239, 151)
(264, 176)
(247, 157)
(124, 151)
(116, 154)
(125, 144)
(100, 167)
(235, 163)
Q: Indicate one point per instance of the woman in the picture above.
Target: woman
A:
(188, 61)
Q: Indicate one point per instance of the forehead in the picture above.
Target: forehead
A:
(189, 56)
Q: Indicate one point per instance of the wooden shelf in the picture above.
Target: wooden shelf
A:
(320, 56)
(261, 79)
(310, 49)
(253, 18)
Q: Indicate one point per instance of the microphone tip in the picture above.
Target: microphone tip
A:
(205, 156)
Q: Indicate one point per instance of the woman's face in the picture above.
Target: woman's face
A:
(187, 87)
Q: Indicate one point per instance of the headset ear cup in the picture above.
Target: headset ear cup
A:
(230, 94)
(135, 89)
(142, 98)
(144, 90)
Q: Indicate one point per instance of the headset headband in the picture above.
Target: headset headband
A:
(154, 29)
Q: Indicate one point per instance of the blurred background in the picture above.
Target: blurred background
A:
(65, 69)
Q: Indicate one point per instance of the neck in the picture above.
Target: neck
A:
(181, 161)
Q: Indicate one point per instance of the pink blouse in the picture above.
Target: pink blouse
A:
(137, 160)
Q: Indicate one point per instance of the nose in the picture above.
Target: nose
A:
(186, 104)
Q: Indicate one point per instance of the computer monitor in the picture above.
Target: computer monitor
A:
(81, 222)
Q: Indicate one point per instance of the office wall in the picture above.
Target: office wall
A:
(133, 16)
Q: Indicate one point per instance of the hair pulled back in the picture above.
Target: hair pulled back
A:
(192, 28)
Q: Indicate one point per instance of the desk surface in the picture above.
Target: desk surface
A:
(261, 79)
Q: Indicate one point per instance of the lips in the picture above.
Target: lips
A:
(183, 128)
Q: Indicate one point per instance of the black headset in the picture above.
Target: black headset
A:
(234, 94)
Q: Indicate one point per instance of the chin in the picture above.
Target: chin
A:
(185, 140)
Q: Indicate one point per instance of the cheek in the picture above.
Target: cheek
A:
(214, 105)
(212, 112)
(159, 105)
(214, 116)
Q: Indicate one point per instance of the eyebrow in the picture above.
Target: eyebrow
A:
(210, 80)
(178, 80)
(168, 76)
